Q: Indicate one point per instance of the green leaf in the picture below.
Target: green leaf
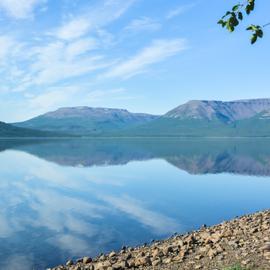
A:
(252, 5)
(230, 27)
(253, 28)
(248, 9)
(223, 23)
(240, 16)
(235, 8)
(253, 39)
(259, 33)
(233, 21)
(220, 22)
(227, 13)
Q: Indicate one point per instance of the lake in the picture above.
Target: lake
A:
(63, 199)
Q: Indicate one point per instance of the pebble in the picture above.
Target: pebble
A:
(69, 263)
(245, 239)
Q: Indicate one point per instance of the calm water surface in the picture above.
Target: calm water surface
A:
(71, 198)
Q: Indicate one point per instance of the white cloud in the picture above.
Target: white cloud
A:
(20, 9)
(80, 47)
(61, 70)
(143, 24)
(65, 54)
(179, 10)
(113, 9)
(93, 19)
(73, 29)
(158, 51)
(57, 61)
(51, 99)
(6, 44)
(39, 72)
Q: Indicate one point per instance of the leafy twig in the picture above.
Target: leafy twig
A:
(232, 19)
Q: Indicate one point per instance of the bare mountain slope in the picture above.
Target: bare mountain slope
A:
(87, 120)
(226, 111)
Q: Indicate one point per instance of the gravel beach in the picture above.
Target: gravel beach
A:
(244, 241)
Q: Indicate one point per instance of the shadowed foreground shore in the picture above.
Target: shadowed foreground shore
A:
(244, 241)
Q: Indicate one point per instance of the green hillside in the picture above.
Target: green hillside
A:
(86, 121)
(7, 130)
(173, 127)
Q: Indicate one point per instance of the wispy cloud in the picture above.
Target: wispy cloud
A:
(6, 43)
(73, 29)
(159, 223)
(54, 97)
(80, 47)
(69, 95)
(143, 24)
(94, 18)
(20, 9)
(179, 10)
(72, 58)
(62, 53)
(158, 51)
(58, 61)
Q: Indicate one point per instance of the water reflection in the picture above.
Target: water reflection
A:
(62, 199)
(242, 156)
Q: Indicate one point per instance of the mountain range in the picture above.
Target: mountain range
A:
(202, 118)
(196, 118)
(226, 112)
(87, 121)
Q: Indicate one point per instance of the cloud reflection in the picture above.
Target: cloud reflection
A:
(161, 224)
(67, 211)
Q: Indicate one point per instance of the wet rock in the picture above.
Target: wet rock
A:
(69, 263)
(266, 247)
(156, 262)
(112, 254)
(212, 253)
(245, 262)
(168, 249)
(86, 260)
(157, 253)
(198, 257)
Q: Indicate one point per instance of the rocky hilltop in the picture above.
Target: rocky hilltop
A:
(227, 111)
(98, 113)
(243, 241)
(206, 118)
(87, 120)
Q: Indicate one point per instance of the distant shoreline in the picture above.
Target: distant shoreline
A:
(134, 137)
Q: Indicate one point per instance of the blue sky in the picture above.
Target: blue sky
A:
(145, 56)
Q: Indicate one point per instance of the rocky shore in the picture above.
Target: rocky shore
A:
(244, 241)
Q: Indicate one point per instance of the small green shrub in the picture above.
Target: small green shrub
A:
(236, 267)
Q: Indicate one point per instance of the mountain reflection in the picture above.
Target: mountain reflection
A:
(59, 199)
(195, 156)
